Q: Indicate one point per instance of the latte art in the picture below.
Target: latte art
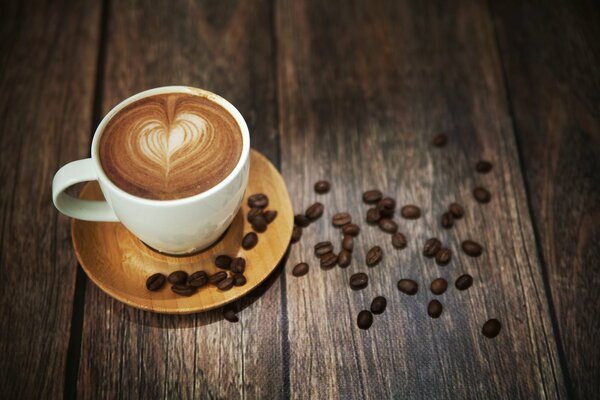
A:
(170, 146)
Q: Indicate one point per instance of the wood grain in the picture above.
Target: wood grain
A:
(363, 88)
(45, 119)
(551, 56)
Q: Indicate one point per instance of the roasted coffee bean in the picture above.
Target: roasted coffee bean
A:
(456, 210)
(364, 319)
(259, 223)
(270, 216)
(328, 261)
(399, 240)
(434, 309)
(249, 240)
(372, 196)
(348, 243)
(323, 248)
(258, 200)
(358, 281)
(351, 229)
(373, 216)
(472, 248)
(300, 269)
(447, 220)
(464, 282)
(410, 212)
(229, 314)
(183, 290)
(431, 247)
(301, 220)
(491, 328)
(238, 265)
(408, 286)
(178, 277)
(296, 234)
(223, 261)
(388, 226)
(198, 279)
(322, 187)
(314, 212)
(440, 140)
(344, 258)
(482, 195)
(439, 286)
(378, 305)
(225, 284)
(386, 207)
(253, 213)
(239, 279)
(217, 277)
(341, 219)
(374, 256)
(483, 166)
(155, 281)
(443, 256)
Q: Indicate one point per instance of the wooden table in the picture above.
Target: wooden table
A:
(347, 91)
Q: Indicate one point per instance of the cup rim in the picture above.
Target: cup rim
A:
(239, 119)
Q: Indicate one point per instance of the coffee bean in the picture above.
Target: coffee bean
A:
(225, 284)
(431, 247)
(408, 286)
(155, 282)
(229, 314)
(351, 229)
(259, 223)
(322, 187)
(183, 290)
(482, 195)
(491, 328)
(253, 213)
(439, 286)
(410, 212)
(344, 258)
(323, 248)
(378, 305)
(198, 279)
(341, 219)
(399, 240)
(374, 256)
(238, 265)
(440, 140)
(270, 216)
(483, 166)
(301, 220)
(434, 309)
(386, 207)
(249, 240)
(373, 216)
(472, 248)
(447, 220)
(217, 277)
(300, 269)
(223, 261)
(443, 256)
(239, 279)
(388, 226)
(258, 200)
(464, 282)
(358, 281)
(178, 277)
(296, 234)
(456, 210)
(372, 196)
(364, 319)
(314, 212)
(328, 261)
(348, 243)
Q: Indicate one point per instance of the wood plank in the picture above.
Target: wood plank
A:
(363, 88)
(551, 56)
(47, 66)
(224, 47)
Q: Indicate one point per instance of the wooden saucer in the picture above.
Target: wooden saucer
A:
(119, 263)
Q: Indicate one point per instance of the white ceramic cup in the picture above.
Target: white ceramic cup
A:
(177, 226)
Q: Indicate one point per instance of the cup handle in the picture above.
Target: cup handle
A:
(87, 210)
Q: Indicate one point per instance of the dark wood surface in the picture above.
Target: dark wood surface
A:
(351, 92)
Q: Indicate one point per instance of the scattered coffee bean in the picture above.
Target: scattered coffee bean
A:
(482, 195)
(372, 196)
(301, 220)
(348, 243)
(388, 226)
(217, 277)
(456, 210)
(253, 213)
(178, 277)
(365, 319)
(341, 219)
(183, 290)
(225, 284)
(374, 256)
(270, 216)
(491, 328)
(440, 140)
(249, 240)
(443, 256)
(322, 187)
(328, 261)
(351, 229)
(378, 305)
(239, 279)
(464, 282)
(323, 248)
(259, 223)
(483, 166)
(358, 281)
(155, 282)
(296, 234)
(300, 269)
(439, 286)
(431, 247)
(408, 286)
(410, 212)
(223, 261)
(386, 207)
(434, 309)
(472, 248)
(399, 240)
(344, 258)
(315, 211)
(238, 265)
(373, 216)
(198, 279)
(258, 200)
(229, 314)
(447, 220)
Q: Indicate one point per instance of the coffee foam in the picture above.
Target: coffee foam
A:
(170, 146)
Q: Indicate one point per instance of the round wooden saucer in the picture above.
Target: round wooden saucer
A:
(119, 263)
